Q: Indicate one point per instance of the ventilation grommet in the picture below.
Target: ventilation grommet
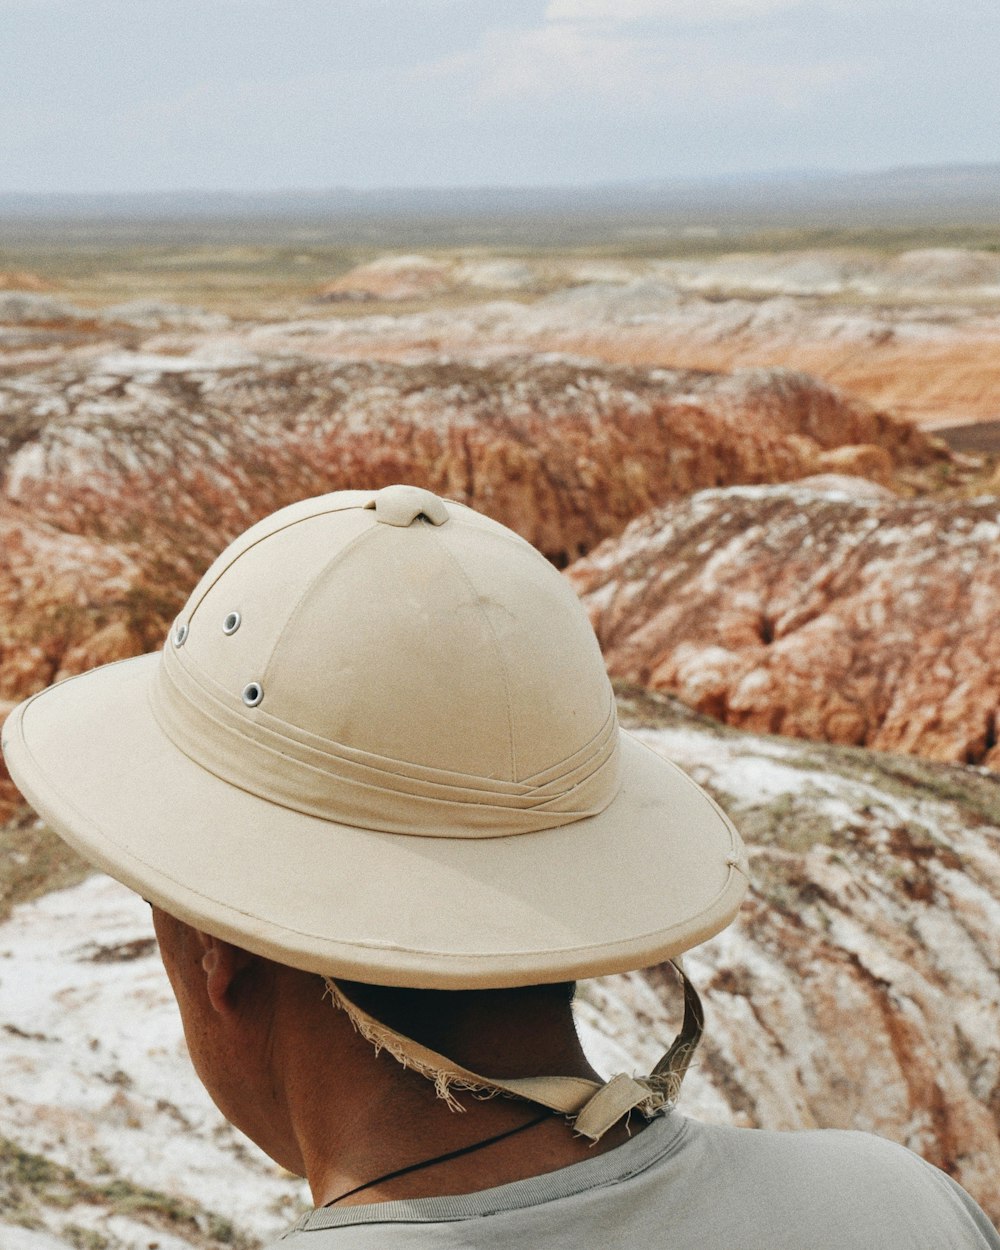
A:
(252, 694)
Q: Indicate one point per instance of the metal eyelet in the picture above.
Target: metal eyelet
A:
(232, 623)
(253, 692)
(180, 635)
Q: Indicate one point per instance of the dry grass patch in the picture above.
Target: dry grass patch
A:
(33, 861)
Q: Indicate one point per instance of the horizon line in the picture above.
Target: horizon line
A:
(651, 182)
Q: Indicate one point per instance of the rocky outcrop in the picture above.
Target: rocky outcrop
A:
(397, 278)
(919, 275)
(814, 614)
(933, 365)
(23, 305)
(106, 1132)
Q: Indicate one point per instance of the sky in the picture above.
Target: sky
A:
(258, 95)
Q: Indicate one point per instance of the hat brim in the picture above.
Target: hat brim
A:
(658, 871)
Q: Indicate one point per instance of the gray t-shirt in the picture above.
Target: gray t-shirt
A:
(682, 1185)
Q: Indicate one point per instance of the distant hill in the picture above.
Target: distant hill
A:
(959, 195)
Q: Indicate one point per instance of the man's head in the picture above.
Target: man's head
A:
(264, 1040)
(380, 745)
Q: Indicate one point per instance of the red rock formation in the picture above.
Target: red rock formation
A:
(915, 334)
(68, 603)
(860, 988)
(121, 478)
(177, 454)
(812, 614)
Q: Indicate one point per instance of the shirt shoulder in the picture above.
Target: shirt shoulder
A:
(847, 1188)
(683, 1185)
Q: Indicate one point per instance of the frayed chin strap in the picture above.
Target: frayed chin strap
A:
(591, 1106)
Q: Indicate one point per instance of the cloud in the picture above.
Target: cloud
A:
(539, 63)
(576, 61)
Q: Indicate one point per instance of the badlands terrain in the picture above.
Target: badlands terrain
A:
(738, 460)
(915, 332)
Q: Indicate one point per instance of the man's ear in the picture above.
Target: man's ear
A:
(224, 966)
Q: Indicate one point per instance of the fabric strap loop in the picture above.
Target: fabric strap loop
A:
(593, 1106)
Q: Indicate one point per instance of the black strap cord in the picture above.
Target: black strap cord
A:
(451, 1154)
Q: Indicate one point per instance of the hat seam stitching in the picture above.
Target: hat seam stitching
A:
(297, 608)
(194, 604)
(514, 540)
(477, 600)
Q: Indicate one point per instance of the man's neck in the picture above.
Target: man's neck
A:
(357, 1117)
(444, 1152)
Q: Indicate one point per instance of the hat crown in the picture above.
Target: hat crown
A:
(407, 631)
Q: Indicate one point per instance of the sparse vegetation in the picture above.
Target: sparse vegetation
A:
(30, 1184)
(34, 860)
(86, 1238)
(284, 264)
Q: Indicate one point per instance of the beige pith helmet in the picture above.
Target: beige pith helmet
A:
(380, 744)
